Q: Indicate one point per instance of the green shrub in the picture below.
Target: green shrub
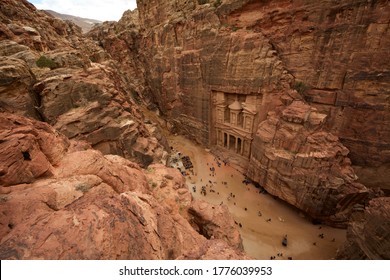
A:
(301, 87)
(43, 62)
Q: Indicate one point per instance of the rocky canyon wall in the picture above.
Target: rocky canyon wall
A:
(69, 123)
(338, 54)
(192, 55)
(368, 233)
(334, 54)
(293, 92)
(309, 79)
(50, 72)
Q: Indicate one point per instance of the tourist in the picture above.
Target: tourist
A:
(284, 241)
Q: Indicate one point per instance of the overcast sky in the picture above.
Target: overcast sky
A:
(93, 9)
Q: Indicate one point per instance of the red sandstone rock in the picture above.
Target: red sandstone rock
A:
(306, 167)
(368, 233)
(215, 222)
(79, 204)
(24, 24)
(28, 149)
(87, 101)
(198, 58)
(15, 83)
(334, 54)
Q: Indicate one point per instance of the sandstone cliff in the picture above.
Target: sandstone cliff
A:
(67, 188)
(71, 83)
(338, 54)
(297, 91)
(368, 233)
(90, 206)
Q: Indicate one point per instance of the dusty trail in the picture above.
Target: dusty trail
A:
(262, 235)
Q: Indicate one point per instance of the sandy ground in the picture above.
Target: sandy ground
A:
(263, 232)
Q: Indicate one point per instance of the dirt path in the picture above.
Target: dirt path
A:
(264, 220)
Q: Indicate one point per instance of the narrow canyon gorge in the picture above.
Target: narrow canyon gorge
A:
(197, 129)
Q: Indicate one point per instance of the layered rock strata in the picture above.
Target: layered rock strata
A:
(72, 84)
(90, 206)
(368, 233)
(307, 167)
(223, 72)
(339, 56)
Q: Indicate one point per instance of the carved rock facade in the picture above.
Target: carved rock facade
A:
(233, 74)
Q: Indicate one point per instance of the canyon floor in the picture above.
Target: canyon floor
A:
(262, 238)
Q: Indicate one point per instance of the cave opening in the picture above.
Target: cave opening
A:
(26, 155)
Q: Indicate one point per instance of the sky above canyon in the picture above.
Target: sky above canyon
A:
(93, 9)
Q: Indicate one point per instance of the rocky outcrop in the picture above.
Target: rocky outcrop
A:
(305, 166)
(87, 105)
(90, 206)
(122, 41)
(15, 84)
(214, 222)
(74, 85)
(28, 149)
(368, 233)
(21, 22)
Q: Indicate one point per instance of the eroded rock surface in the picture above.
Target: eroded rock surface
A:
(293, 92)
(368, 233)
(256, 83)
(304, 166)
(215, 222)
(72, 84)
(90, 206)
(28, 149)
